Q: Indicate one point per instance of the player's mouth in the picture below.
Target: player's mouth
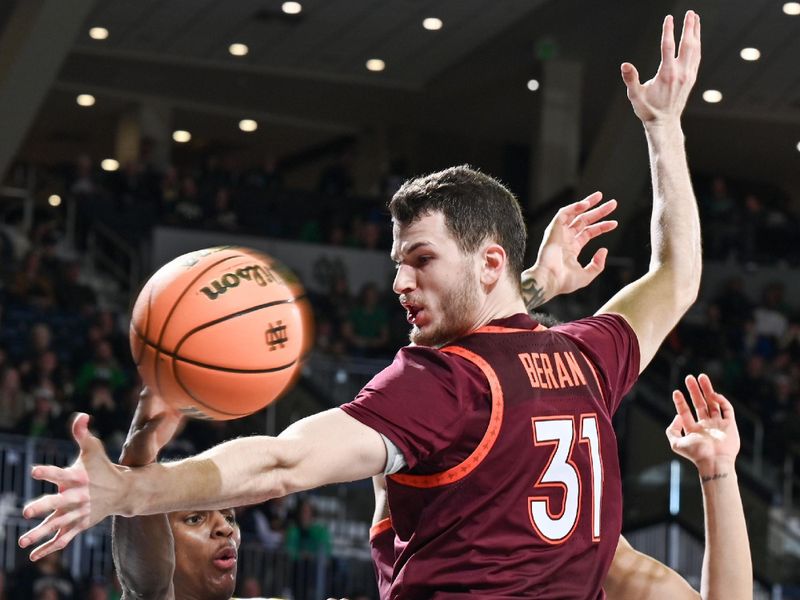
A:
(413, 314)
(225, 558)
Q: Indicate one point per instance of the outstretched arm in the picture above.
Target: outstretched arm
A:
(712, 443)
(557, 269)
(654, 304)
(143, 549)
(329, 447)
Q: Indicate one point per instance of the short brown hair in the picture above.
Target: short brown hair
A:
(476, 207)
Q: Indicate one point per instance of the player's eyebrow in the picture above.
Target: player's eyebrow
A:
(396, 256)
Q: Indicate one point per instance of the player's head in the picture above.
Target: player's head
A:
(206, 553)
(458, 235)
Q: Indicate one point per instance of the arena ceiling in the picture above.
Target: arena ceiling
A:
(304, 78)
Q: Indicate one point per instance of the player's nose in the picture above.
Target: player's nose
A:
(221, 526)
(404, 280)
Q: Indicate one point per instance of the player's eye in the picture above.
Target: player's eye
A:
(424, 260)
(193, 519)
(230, 518)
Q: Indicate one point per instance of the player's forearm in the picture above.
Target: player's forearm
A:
(675, 224)
(142, 547)
(727, 566)
(236, 473)
(144, 556)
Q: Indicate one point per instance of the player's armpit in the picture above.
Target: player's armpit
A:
(652, 306)
(634, 576)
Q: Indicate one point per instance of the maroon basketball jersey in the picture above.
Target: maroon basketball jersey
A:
(535, 510)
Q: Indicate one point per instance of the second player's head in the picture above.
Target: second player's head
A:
(206, 553)
(459, 238)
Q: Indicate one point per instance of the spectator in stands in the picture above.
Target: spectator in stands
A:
(264, 177)
(108, 329)
(221, 214)
(337, 178)
(72, 295)
(771, 322)
(40, 341)
(752, 230)
(13, 400)
(31, 285)
(255, 528)
(108, 419)
(366, 328)
(34, 579)
(46, 369)
(735, 310)
(103, 366)
(306, 538)
(188, 208)
(84, 182)
(41, 421)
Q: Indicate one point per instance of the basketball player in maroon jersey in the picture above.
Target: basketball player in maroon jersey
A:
(711, 443)
(495, 432)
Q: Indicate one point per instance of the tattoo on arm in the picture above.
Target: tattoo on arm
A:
(532, 293)
(706, 478)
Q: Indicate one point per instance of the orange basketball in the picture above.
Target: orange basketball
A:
(220, 333)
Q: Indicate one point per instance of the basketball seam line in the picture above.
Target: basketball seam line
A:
(175, 305)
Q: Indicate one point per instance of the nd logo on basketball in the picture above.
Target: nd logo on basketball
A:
(276, 335)
(260, 274)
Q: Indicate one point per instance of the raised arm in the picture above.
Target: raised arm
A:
(557, 269)
(329, 447)
(142, 547)
(711, 443)
(654, 304)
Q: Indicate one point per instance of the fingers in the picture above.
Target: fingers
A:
(598, 262)
(687, 35)
(668, 41)
(59, 542)
(684, 412)
(698, 400)
(80, 428)
(594, 215)
(631, 78)
(568, 213)
(592, 231)
(55, 475)
(712, 397)
(674, 430)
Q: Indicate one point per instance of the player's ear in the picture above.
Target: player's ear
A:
(494, 263)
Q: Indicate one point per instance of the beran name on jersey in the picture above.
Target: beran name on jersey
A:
(552, 370)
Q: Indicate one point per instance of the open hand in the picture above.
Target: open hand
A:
(86, 492)
(663, 97)
(713, 435)
(558, 269)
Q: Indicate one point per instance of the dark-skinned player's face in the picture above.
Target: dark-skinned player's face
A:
(206, 553)
(437, 283)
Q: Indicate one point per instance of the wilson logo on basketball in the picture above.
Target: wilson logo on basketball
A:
(260, 274)
(276, 335)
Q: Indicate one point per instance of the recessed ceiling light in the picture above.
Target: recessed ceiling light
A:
(54, 200)
(291, 8)
(98, 33)
(248, 125)
(432, 24)
(109, 164)
(798, 146)
(181, 136)
(792, 8)
(85, 100)
(750, 53)
(238, 49)
(533, 85)
(712, 96)
(376, 64)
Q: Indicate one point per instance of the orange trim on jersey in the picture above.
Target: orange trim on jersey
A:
(468, 465)
(380, 527)
(596, 377)
(498, 329)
